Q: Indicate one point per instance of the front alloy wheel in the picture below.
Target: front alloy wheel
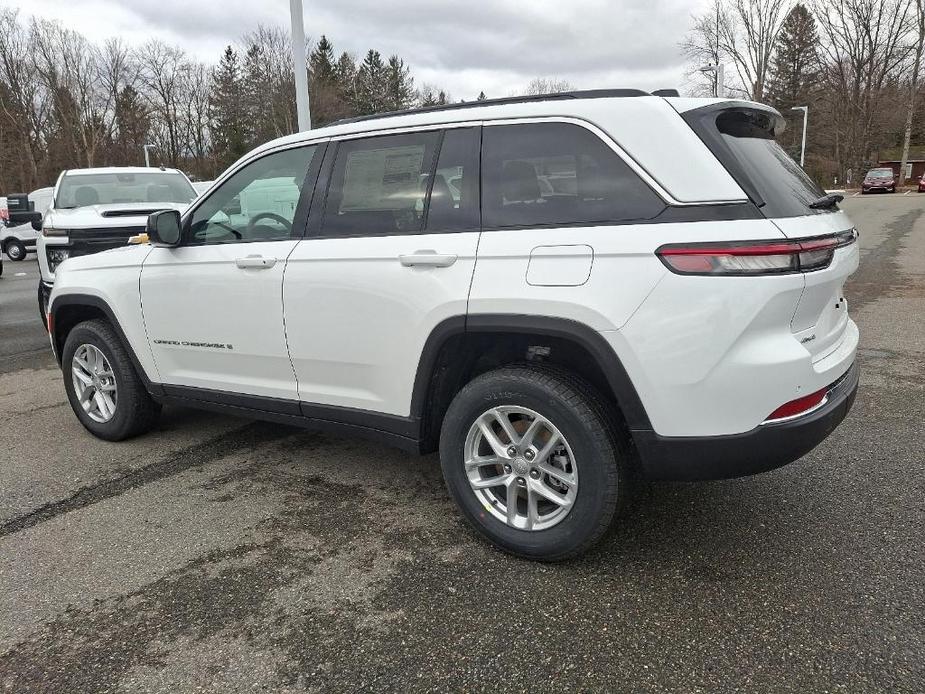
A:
(94, 383)
(521, 468)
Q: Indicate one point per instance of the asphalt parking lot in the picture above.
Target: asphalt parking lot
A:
(224, 555)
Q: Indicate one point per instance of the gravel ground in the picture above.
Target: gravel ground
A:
(224, 555)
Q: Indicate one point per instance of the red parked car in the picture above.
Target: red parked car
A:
(879, 179)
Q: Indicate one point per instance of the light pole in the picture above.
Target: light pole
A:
(147, 148)
(717, 70)
(805, 110)
(298, 65)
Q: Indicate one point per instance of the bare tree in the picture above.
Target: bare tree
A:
(68, 66)
(741, 32)
(701, 47)
(913, 84)
(23, 106)
(196, 89)
(864, 53)
(547, 85)
(748, 35)
(163, 73)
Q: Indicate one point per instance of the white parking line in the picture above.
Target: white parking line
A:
(855, 195)
(907, 192)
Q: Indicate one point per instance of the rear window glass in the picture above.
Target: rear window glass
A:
(785, 188)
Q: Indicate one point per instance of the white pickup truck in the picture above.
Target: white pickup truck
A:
(94, 210)
(18, 240)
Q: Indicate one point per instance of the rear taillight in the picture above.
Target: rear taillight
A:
(753, 257)
(798, 407)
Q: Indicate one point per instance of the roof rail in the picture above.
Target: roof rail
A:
(581, 94)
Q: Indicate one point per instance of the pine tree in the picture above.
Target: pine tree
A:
(794, 78)
(795, 67)
(256, 125)
(226, 112)
(481, 96)
(399, 85)
(345, 76)
(321, 61)
(132, 122)
(372, 85)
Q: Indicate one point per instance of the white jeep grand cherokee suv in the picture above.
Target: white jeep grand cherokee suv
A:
(562, 294)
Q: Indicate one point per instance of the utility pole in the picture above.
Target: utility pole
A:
(717, 70)
(147, 149)
(298, 65)
(718, 84)
(805, 110)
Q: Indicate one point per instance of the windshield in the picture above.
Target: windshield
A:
(81, 190)
(785, 188)
(880, 173)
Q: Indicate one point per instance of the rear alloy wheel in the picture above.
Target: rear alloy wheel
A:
(535, 461)
(15, 250)
(521, 468)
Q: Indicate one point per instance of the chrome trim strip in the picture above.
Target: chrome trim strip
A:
(799, 414)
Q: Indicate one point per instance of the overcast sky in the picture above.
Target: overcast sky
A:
(464, 46)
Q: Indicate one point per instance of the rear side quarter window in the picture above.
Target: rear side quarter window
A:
(558, 174)
(743, 140)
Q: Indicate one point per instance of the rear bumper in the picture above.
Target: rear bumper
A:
(764, 448)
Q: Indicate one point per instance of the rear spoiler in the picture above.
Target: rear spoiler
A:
(703, 122)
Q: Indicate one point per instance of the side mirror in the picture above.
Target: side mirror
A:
(164, 228)
(35, 218)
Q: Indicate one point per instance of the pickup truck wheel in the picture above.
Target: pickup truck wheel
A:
(15, 249)
(534, 460)
(102, 386)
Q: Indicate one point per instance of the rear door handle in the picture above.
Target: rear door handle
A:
(255, 262)
(427, 258)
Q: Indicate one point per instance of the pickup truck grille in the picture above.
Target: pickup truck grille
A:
(89, 241)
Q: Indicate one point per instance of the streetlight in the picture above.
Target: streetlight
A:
(805, 110)
(147, 148)
(718, 71)
(298, 65)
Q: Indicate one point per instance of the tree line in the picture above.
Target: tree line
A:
(66, 102)
(854, 63)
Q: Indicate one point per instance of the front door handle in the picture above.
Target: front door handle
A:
(427, 258)
(255, 262)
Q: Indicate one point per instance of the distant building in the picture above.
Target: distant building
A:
(915, 164)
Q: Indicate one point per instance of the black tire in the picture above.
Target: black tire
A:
(589, 424)
(136, 413)
(15, 250)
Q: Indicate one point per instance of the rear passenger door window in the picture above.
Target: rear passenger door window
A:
(554, 174)
(379, 185)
